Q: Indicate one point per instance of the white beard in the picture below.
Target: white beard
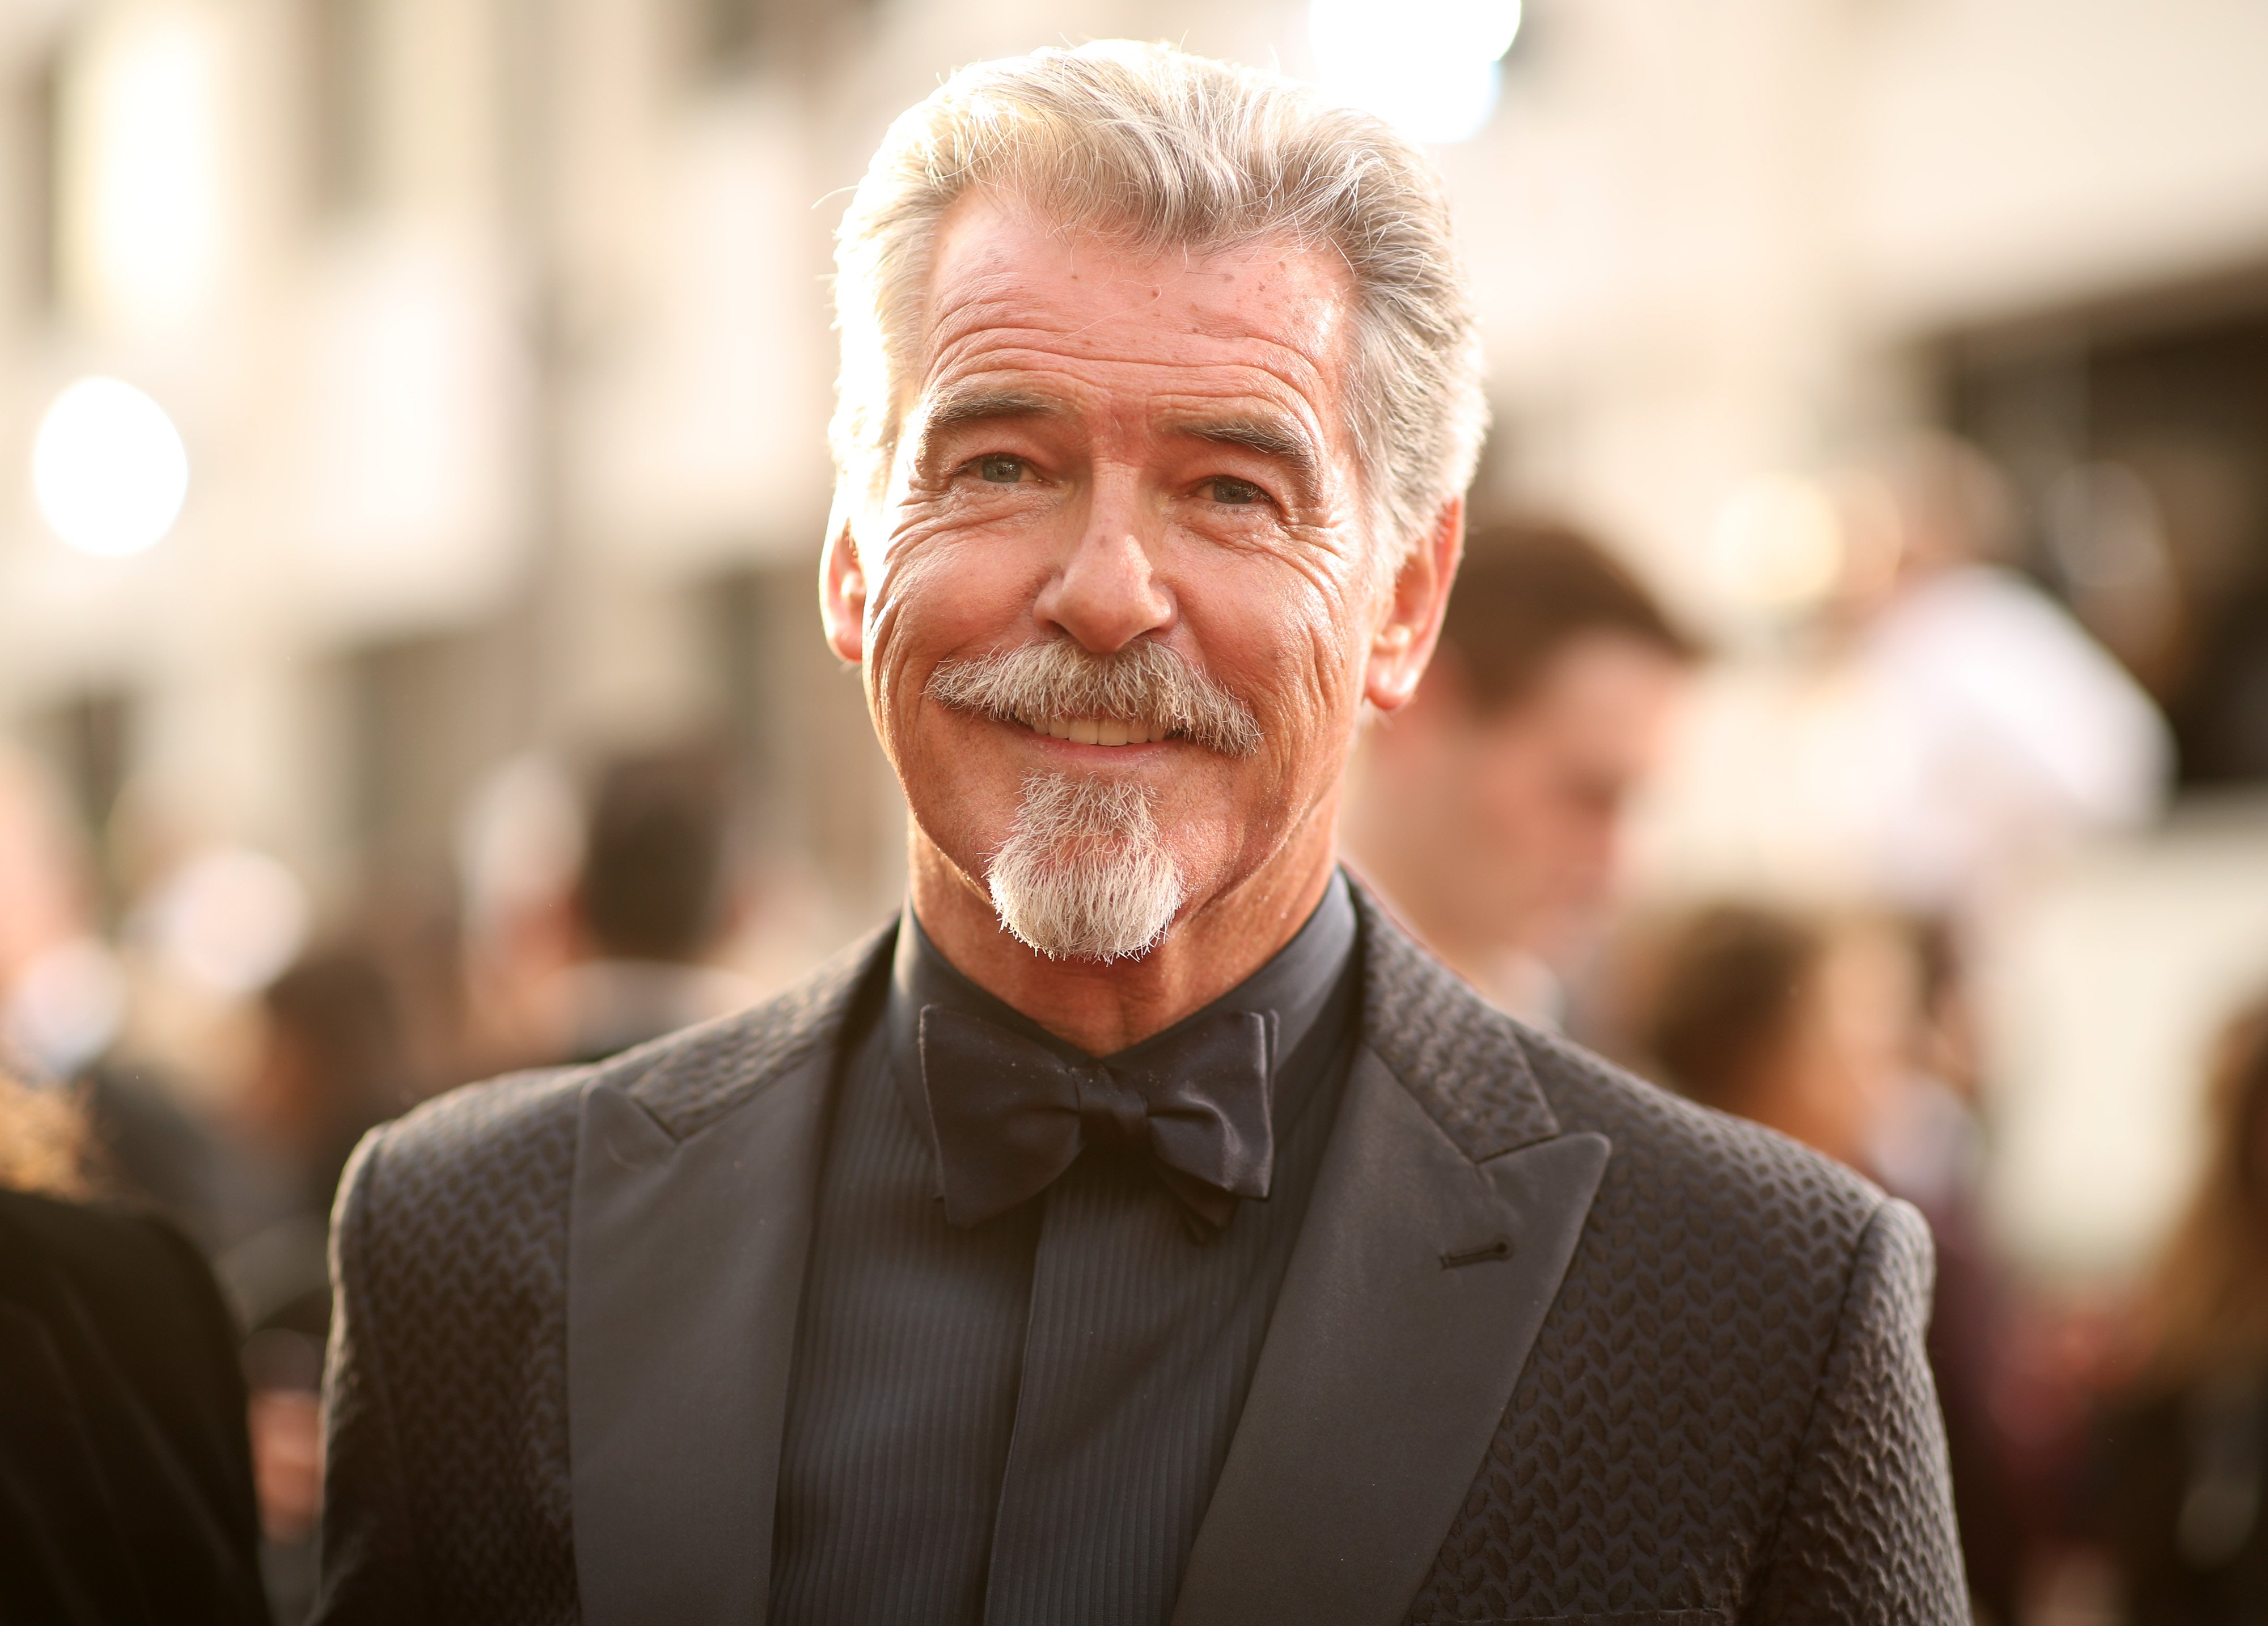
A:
(1084, 874)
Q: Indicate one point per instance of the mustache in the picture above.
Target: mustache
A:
(1146, 683)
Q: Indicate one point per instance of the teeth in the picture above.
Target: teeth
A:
(1089, 730)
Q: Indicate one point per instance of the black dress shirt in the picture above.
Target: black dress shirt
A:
(1020, 1422)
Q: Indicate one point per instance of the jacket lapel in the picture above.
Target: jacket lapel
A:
(1429, 1257)
(693, 1204)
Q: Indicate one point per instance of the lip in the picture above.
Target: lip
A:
(1072, 751)
(1077, 753)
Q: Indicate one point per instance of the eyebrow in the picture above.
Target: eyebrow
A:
(982, 405)
(1271, 438)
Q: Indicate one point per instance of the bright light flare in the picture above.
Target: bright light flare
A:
(108, 468)
(1434, 69)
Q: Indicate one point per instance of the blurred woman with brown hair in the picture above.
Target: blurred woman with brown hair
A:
(1810, 1025)
(125, 1475)
(2186, 1451)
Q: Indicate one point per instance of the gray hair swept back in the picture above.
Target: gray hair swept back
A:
(1159, 150)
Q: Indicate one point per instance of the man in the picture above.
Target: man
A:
(653, 899)
(1488, 811)
(1327, 1293)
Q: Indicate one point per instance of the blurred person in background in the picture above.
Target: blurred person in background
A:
(518, 848)
(1794, 1023)
(1989, 729)
(333, 1062)
(1488, 811)
(125, 1482)
(654, 898)
(1817, 1026)
(2184, 1452)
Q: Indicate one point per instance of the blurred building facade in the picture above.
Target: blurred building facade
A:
(496, 332)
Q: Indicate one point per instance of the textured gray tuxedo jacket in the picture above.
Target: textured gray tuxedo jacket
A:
(1552, 1344)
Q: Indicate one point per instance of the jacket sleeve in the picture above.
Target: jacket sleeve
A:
(1866, 1535)
(369, 1568)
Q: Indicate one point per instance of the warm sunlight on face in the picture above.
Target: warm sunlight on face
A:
(1106, 450)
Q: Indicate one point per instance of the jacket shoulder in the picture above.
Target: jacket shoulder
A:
(1494, 1084)
(516, 1134)
(1693, 1157)
(448, 1388)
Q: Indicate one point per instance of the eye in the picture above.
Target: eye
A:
(1234, 493)
(1000, 469)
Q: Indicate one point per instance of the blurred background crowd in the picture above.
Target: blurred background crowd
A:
(1854, 713)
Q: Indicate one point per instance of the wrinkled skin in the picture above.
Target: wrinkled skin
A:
(1107, 447)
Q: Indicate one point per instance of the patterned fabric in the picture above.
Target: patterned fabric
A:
(1727, 1415)
(447, 1495)
(1728, 1408)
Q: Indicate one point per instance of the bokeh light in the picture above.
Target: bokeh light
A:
(1776, 546)
(229, 919)
(1434, 69)
(109, 468)
(68, 1005)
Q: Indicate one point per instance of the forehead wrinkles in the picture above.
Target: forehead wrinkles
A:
(1286, 320)
(1278, 305)
(1005, 334)
(1101, 387)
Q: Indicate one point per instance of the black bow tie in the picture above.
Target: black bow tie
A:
(1011, 1115)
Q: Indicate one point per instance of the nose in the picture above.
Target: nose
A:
(1108, 593)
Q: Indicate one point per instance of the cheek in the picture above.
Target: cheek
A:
(1301, 670)
(936, 577)
(1290, 597)
(938, 598)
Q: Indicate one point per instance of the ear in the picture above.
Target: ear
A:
(1404, 641)
(843, 590)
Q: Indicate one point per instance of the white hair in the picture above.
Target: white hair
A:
(1085, 873)
(1158, 149)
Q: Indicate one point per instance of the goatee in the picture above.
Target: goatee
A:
(1085, 873)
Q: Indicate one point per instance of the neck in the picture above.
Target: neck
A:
(1215, 944)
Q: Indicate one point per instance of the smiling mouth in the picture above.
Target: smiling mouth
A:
(1098, 731)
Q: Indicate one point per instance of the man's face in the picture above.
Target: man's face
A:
(1546, 782)
(1103, 450)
